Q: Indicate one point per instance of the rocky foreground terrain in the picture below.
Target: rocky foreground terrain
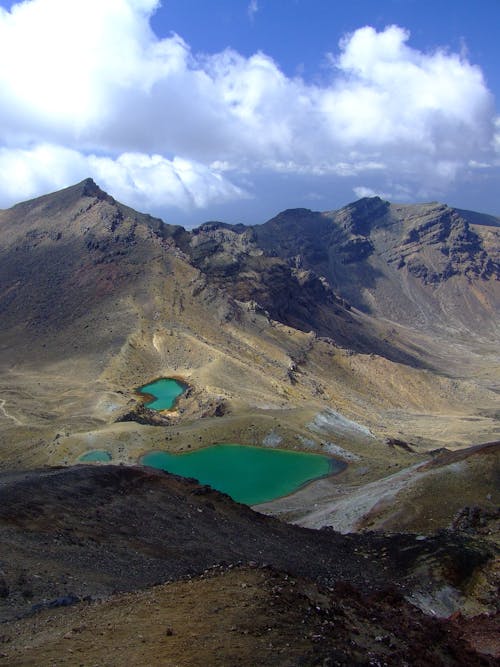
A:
(223, 585)
(370, 334)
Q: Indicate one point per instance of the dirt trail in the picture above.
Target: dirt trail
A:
(7, 415)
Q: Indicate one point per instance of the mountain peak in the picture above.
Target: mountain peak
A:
(66, 197)
(87, 188)
(368, 204)
(361, 216)
(90, 187)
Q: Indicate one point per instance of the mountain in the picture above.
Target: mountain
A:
(287, 331)
(428, 265)
(369, 334)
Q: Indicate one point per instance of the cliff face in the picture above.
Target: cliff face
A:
(233, 260)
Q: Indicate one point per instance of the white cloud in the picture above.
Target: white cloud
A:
(496, 138)
(152, 180)
(87, 85)
(40, 169)
(390, 93)
(252, 9)
(144, 181)
(362, 191)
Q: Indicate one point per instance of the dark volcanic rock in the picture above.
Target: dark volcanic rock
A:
(143, 415)
(280, 266)
(362, 216)
(90, 530)
(356, 250)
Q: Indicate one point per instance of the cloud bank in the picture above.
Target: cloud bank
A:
(87, 88)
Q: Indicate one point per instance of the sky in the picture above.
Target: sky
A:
(234, 110)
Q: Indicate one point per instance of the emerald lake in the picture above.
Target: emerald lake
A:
(164, 392)
(250, 475)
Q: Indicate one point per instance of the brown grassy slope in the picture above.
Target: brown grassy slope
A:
(245, 617)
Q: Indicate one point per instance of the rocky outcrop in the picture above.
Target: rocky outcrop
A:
(143, 415)
(460, 248)
(388, 260)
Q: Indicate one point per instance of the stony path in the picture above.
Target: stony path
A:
(7, 415)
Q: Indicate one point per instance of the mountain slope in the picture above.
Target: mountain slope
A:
(250, 617)
(368, 334)
(105, 528)
(424, 265)
(97, 299)
(68, 254)
(241, 588)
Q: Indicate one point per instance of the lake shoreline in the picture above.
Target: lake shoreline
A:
(284, 471)
(147, 397)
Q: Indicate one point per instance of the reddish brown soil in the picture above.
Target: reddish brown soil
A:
(241, 616)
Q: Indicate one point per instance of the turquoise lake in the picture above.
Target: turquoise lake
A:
(164, 392)
(250, 475)
(95, 455)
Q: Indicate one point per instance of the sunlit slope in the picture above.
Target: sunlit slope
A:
(97, 299)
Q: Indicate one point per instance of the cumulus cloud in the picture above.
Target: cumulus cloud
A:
(144, 181)
(362, 191)
(391, 94)
(87, 85)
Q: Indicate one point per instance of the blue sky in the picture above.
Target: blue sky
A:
(298, 33)
(237, 109)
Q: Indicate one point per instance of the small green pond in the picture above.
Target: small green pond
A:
(250, 475)
(95, 455)
(164, 392)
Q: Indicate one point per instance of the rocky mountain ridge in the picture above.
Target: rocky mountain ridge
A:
(317, 309)
(305, 268)
(366, 250)
(369, 334)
